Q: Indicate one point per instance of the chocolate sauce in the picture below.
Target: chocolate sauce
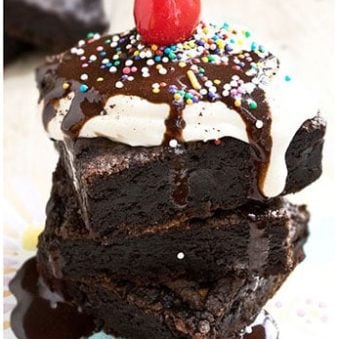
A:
(42, 314)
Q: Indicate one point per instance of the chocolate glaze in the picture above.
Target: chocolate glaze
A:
(42, 314)
(68, 68)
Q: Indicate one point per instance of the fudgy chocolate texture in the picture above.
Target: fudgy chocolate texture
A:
(53, 24)
(177, 309)
(128, 188)
(253, 239)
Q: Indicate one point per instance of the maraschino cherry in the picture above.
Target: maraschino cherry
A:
(166, 22)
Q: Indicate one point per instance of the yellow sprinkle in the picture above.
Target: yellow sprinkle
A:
(177, 96)
(30, 238)
(217, 82)
(237, 103)
(240, 42)
(241, 56)
(100, 79)
(156, 90)
(136, 53)
(204, 59)
(158, 66)
(182, 64)
(65, 85)
(189, 102)
(154, 47)
(193, 79)
(205, 30)
(220, 44)
(191, 44)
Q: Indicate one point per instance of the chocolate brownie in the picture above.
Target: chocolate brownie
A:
(175, 161)
(253, 239)
(14, 48)
(176, 309)
(54, 25)
(131, 187)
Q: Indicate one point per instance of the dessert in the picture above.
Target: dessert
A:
(253, 239)
(53, 25)
(167, 217)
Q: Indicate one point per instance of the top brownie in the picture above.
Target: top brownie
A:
(153, 134)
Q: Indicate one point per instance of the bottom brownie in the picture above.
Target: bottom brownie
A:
(178, 309)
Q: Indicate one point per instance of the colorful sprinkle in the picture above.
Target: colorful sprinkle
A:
(193, 79)
(83, 88)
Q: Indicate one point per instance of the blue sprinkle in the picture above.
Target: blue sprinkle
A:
(173, 48)
(109, 65)
(103, 53)
(261, 49)
(157, 58)
(228, 48)
(232, 41)
(83, 88)
(168, 50)
(288, 78)
(225, 25)
(254, 46)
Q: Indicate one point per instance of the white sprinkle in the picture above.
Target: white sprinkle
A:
(259, 124)
(181, 255)
(150, 62)
(129, 46)
(93, 57)
(105, 61)
(146, 75)
(208, 83)
(81, 43)
(129, 62)
(80, 51)
(115, 38)
(145, 70)
(130, 78)
(156, 85)
(114, 44)
(84, 76)
(149, 54)
(113, 69)
(225, 93)
(74, 50)
(235, 77)
(142, 55)
(173, 143)
(234, 83)
(115, 57)
(227, 87)
(203, 91)
(213, 89)
(119, 84)
(165, 60)
(256, 81)
(96, 36)
(163, 71)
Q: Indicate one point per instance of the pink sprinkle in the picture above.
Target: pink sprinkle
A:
(301, 313)
(126, 70)
(234, 91)
(134, 69)
(100, 48)
(84, 65)
(90, 41)
(163, 84)
(83, 58)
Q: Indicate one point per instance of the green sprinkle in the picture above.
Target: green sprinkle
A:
(252, 105)
(188, 96)
(247, 34)
(116, 63)
(288, 78)
(172, 56)
(90, 35)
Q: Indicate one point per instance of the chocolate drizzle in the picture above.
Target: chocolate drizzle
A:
(42, 314)
(92, 57)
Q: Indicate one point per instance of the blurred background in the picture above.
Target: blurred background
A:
(302, 34)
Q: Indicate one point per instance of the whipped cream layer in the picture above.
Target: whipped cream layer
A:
(220, 83)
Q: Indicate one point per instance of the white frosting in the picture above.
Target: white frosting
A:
(137, 122)
(290, 106)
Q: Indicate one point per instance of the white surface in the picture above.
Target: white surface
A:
(302, 33)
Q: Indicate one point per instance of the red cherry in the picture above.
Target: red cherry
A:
(165, 22)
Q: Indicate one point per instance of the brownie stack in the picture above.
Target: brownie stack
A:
(174, 240)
